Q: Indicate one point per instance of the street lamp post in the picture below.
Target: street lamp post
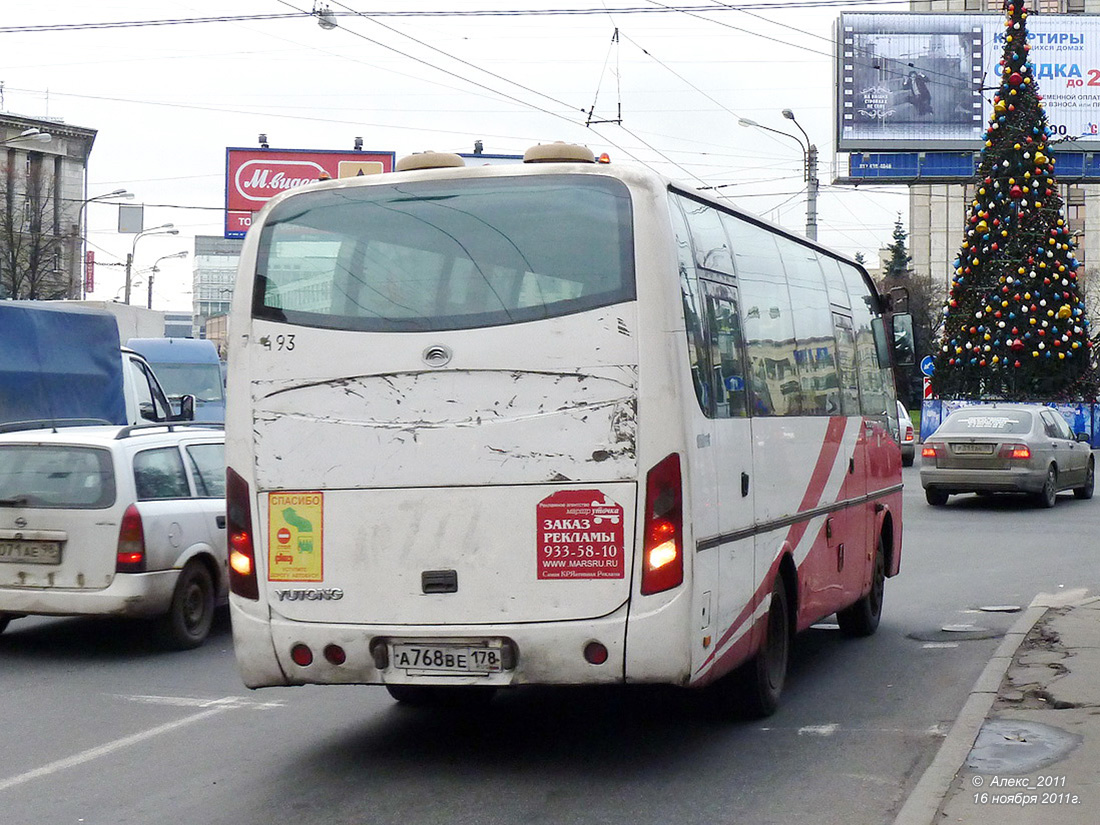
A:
(77, 250)
(811, 178)
(165, 229)
(154, 271)
(809, 167)
(33, 134)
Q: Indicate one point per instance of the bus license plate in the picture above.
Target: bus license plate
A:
(30, 552)
(447, 658)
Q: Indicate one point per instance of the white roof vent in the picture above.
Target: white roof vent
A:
(428, 160)
(559, 152)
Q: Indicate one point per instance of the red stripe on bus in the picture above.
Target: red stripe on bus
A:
(830, 448)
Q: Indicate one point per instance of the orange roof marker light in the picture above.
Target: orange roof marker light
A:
(603, 158)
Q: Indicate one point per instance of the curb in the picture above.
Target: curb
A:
(922, 805)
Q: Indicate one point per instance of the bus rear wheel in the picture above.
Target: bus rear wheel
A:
(763, 676)
(752, 691)
(862, 618)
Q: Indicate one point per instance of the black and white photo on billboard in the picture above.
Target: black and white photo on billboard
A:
(899, 84)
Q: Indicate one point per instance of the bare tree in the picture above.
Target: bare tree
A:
(32, 248)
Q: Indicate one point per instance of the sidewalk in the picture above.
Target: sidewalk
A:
(1025, 749)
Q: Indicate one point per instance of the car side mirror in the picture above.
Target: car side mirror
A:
(1085, 437)
(187, 409)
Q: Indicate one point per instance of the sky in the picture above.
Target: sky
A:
(660, 84)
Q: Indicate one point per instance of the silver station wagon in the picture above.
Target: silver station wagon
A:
(1006, 449)
(115, 521)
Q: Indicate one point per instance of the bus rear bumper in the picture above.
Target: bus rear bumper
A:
(551, 653)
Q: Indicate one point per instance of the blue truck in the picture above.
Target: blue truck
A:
(187, 366)
(61, 363)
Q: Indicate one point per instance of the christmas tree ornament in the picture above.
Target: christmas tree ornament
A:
(1014, 233)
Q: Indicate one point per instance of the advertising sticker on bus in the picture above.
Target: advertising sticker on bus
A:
(580, 536)
(295, 552)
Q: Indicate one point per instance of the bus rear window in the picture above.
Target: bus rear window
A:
(446, 254)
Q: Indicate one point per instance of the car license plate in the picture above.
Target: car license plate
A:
(972, 449)
(30, 552)
(447, 658)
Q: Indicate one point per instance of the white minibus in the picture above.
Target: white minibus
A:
(561, 422)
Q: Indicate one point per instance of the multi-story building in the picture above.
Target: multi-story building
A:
(938, 212)
(44, 176)
(215, 271)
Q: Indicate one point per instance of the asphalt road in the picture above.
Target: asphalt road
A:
(100, 727)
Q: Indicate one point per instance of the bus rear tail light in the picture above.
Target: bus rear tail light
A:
(662, 549)
(1019, 452)
(242, 554)
(131, 543)
(301, 655)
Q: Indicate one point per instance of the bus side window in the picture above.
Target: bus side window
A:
(846, 365)
(813, 329)
(876, 394)
(770, 343)
(693, 318)
(727, 351)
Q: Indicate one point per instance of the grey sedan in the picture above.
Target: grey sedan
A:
(1006, 449)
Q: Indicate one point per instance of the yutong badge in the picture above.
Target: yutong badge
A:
(580, 536)
(294, 548)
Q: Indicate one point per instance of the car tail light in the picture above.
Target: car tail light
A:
(929, 450)
(131, 543)
(242, 555)
(1015, 451)
(662, 550)
(908, 432)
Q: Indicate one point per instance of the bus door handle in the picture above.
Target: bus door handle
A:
(744, 484)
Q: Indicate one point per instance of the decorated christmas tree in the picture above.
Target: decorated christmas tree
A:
(1014, 322)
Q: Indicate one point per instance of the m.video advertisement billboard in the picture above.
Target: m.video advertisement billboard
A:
(915, 82)
(254, 176)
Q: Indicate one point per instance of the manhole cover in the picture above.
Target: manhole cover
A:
(1016, 746)
(955, 633)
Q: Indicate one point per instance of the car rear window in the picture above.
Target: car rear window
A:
(994, 422)
(56, 476)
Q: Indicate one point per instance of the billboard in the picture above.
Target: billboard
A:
(253, 176)
(912, 81)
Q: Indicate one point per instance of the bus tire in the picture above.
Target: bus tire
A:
(187, 622)
(862, 618)
(756, 685)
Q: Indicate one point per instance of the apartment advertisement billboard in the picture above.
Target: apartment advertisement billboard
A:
(917, 82)
(254, 176)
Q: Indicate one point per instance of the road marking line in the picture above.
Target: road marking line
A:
(819, 730)
(939, 645)
(191, 702)
(110, 747)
